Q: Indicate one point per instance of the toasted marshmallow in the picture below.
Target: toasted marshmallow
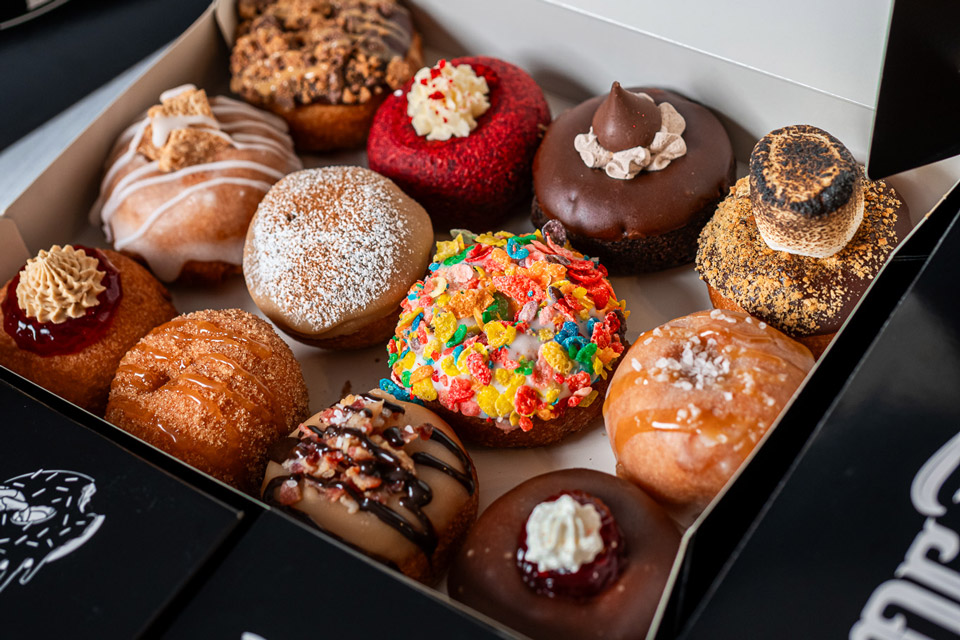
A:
(806, 191)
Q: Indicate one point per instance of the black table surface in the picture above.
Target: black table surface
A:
(52, 61)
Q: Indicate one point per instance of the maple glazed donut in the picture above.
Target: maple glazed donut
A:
(214, 388)
(509, 338)
(324, 67)
(390, 478)
(71, 313)
(331, 253)
(693, 398)
(183, 182)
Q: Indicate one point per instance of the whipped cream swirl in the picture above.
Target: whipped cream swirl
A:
(563, 535)
(446, 100)
(667, 145)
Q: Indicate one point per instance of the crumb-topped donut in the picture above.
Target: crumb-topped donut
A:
(460, 139)
(633, 175)
(798, 241)
(692, 400)
(183, 182)
(215, 388)
(569, 554)
(324, 67)
(509, 338)
(71, 313)
(387, 477)
(331, 253)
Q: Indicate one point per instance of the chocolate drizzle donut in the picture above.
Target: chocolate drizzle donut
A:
(646, 223)
(385, 477)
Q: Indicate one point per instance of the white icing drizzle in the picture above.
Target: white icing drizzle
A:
(244, 127)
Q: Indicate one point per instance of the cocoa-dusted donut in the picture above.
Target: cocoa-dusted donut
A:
(215, 388)
(800, 239)
(460, 139)
(331, 253)
(692, 399)
(509, 338)
(387, 477)
(324, 67)
(515, 568)
(183, 182)
(649, 221)
(71, 313)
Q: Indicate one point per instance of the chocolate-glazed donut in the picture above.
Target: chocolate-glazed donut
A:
(485, 574)
(647, 223)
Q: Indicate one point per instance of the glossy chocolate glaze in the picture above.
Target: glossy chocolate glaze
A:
(485, 575)
(590, 203)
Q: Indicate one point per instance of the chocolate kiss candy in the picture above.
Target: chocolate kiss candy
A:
(625, 120)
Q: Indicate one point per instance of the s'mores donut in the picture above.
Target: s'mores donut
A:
(797, 242)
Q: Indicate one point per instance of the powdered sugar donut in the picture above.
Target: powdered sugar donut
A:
(183, 182)
(331, 253)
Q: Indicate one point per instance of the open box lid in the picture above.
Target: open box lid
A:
(916, 115)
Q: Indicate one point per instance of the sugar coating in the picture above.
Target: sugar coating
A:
(326, 243)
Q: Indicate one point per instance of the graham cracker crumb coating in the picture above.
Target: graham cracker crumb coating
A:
(799, 295)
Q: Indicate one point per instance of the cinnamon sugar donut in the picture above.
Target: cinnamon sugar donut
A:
(74, 352)
(213, 388)
(693, 398)
(183, 182)
(325, 67)
(387, 477)
(331, 253)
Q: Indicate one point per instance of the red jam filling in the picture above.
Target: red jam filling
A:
(76, 334)
(591, 578)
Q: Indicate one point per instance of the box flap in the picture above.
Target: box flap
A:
(916, 115)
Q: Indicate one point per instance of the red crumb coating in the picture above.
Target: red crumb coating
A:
(465, 181)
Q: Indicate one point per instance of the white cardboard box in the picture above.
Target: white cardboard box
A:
(573, 55)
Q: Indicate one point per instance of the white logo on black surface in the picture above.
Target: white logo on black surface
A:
(44, 516)
(924, 584)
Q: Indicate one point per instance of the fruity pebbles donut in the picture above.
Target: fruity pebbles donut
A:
(509, 338)
(460, 139)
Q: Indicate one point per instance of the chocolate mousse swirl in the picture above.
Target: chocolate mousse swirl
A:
(353, 458)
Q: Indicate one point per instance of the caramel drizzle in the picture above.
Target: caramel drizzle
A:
(723, 429)
(208, 331)
(193, 385)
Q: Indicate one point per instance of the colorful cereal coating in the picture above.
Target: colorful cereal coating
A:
(506, 328)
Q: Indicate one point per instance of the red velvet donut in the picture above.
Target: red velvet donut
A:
(465, 181)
